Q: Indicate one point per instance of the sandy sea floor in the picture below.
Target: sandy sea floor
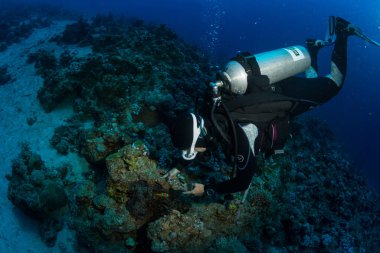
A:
(18, 102)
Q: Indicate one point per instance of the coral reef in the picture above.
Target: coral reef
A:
(205, 226)
(130, 65)
(77, 33)
(67, 138)
(4, 76)
(179, 233)
(110, 135)
(39, 191)
(44, 62)
(107, 217)
(125, 86)
(18, 23)
(324, 198)
(228, 245)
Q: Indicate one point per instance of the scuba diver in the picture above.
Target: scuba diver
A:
(253, 100)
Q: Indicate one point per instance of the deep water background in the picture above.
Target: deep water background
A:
(222, 27)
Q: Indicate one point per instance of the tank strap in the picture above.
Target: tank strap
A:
(256, 81)
(257, 98)
(248, 61)
(247, 107)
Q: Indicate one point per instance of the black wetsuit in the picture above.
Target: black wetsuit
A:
(246, 166)
(319, 90)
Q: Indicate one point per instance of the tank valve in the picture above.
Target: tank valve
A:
(215, 86)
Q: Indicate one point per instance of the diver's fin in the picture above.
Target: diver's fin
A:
(342, 25)
(358, 32)
(316, 44)
(331, 30)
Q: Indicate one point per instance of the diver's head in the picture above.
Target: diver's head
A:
(189, 135)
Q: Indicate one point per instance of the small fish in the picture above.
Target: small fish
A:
(162, 195)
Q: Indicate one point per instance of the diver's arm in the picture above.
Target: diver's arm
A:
(198, 190)
(246, 166)
(239, 183)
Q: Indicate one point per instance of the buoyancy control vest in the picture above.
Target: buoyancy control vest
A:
(245, 93)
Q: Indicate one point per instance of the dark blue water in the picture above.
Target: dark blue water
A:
(222, 27)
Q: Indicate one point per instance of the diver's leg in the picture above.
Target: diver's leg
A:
(339, 54)
(322, 89)
(341, 31)
(318, 90)
(313, 47)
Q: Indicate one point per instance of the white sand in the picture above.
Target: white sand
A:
(18, 101)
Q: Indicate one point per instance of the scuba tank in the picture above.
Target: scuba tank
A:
(277, 65)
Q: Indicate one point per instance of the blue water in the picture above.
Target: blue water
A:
(222, 27)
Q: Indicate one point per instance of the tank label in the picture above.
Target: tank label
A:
(296, 53)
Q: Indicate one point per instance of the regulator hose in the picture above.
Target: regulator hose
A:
(222, 133)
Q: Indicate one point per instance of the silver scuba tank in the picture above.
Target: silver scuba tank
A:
(277, 65)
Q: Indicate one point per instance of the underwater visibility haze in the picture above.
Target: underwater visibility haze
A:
(88, 93)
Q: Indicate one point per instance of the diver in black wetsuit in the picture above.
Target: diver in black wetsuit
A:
(194, 133)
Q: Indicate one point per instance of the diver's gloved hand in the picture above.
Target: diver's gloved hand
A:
(197, 190)
(171, 174)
